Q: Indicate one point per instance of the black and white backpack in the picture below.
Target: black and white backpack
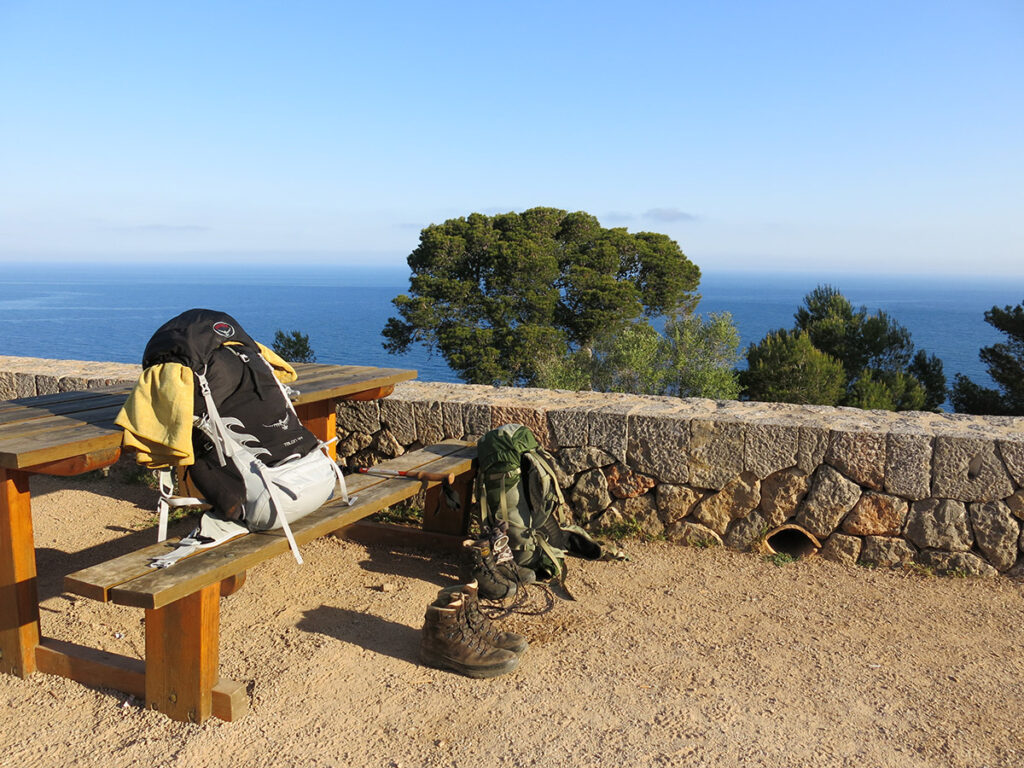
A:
(255, 464)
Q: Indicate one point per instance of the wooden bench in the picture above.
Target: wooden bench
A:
(179, 675)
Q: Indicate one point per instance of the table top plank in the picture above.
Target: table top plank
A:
(55, 427)
(27, 414)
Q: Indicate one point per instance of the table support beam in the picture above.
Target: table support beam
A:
(321, 419)
(19, 601)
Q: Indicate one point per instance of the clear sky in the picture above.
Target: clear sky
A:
(864, 136)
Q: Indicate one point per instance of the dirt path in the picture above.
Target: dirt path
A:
(681, 657)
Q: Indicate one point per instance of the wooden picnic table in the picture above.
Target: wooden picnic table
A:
(73, 432)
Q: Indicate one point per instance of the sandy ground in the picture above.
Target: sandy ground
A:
(681, 657)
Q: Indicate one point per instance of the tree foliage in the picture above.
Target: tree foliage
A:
(693, 357)
(293, 347)
(875, 354)
(785, 367)
(1005, 363)
(498, 295)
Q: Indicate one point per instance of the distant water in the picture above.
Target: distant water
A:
(108, 312)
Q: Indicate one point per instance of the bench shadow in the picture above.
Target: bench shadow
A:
(388, 638)
(443, 571)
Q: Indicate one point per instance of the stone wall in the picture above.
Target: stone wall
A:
(945, 491)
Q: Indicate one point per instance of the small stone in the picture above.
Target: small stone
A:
(996, 532)
(829, 499)
(958, 563)
(876, 514)
(841, 548)
(782, 493)
(387, 586)
(886, 551)
(692, 535)
(590, 495)
(737, 499)
(675, 502)
(1015, 503)
(624, 483)
(939, 524)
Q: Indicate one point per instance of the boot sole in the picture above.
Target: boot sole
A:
(443, 662)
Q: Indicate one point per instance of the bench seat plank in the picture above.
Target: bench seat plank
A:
(129, 580)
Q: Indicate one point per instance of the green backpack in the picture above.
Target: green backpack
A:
(516, 484)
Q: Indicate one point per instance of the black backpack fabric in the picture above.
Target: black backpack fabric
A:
(245, 393)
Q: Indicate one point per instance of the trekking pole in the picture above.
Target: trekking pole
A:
(415, 474)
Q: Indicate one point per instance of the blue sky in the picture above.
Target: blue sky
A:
(869, 136)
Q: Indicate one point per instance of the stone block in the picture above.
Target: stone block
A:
(939, 524)
(47, 384)
(748, 531)
(886, 551)
(608, 429)
(813, 446)
(642, 512)
(968, 469)
(570, 426)
(959, 563)
(1012, 453)
(841, 548)
(453, 423)
(830, 497)
(1015, 503)
(355, 416)
(908, 465)
(860, 456)
(736, 500)
(715, 452)
(574, 460)
(876, 514)
(657, 446)
(770, 448)
(399, 417)
(675, 502)
(477, 419)
(590, 497)
(781, 495)
(692, 534)
(24, 384)
(996, 532)
(525, 414)
(8, 389)
(429, 422)
(624, 483)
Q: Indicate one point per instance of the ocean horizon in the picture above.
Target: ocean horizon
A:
(107, 312)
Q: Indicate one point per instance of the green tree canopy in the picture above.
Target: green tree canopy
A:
(1005, 363)
(694, 357)
(785, 367)
(496, 295)
(880, 368)
(293, 347)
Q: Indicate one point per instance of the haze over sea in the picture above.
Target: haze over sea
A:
(108, 312)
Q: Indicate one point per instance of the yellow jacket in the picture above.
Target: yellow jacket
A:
(157, 417)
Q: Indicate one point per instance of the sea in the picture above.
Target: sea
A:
(108, 312)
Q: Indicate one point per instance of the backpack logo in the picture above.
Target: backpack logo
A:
(224, 329)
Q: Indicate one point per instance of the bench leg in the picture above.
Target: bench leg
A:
(19, 599)
(182, 655)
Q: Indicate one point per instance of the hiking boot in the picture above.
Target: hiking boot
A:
(504, 559)
(495, 583)
(478, 621)
(449, 642)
